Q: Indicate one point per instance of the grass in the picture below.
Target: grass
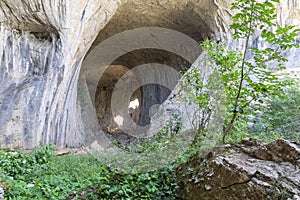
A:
(42, 175)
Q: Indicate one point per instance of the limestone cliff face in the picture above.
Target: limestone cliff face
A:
(44, 42)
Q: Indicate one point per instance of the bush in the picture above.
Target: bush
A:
(280, 118)
(41, 175)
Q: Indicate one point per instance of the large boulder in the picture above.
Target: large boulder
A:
(249, 170)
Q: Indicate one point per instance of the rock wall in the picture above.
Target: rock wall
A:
(43, 43)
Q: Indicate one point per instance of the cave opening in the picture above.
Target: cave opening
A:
(132, 40)
(144, 100)
(109, 122)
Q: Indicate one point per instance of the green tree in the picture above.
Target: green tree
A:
(280, 116)
(246, 74)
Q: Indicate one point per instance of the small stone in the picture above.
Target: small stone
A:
(208, 187)
(30, 185)
(210, 174)
(1, 193)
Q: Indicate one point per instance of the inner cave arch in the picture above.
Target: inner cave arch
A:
(108, 122)
(144, 101)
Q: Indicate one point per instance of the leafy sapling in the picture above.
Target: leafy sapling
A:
(246, 74)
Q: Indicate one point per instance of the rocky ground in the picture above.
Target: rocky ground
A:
(249, 170)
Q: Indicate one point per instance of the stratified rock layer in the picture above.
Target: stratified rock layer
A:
(249, 170)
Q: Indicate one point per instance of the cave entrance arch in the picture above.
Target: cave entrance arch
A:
(175, 28)
(155, 46)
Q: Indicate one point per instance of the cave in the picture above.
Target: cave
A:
(59, 65)
(144, 99)
(111, 76)
(75, 74)
(140, 34)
